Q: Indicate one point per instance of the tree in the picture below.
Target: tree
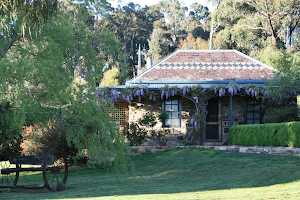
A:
(214, 22)
(191, 43)
(17, 17)
(111, 77)
(270, 16)
(37, 78)
(132, 26)
(275, 22)
(159, 42)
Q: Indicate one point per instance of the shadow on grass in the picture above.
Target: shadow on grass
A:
(177, 171)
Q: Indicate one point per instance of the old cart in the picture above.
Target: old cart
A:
(53, 164)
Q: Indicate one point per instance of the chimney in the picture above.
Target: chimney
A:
(149, 62)
(139, 61)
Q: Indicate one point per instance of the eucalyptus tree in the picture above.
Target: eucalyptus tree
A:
(174, 15)
(193, 23)
(132, 25)
(215, 22)
(231, 34)
(274, 17)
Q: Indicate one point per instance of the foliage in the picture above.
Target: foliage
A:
(158, 44)
(283, 61)
(134, 134)
(10, 127)
(111, 77)
(53, 75)
(244, 25)
(38, 139)
(279, 134)
(282, 114)
(163, 116)
(150, 120)
(20, 17)
(137, 132)
(191, 43)
(131, 25)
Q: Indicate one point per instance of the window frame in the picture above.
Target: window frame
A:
(179, 111)
(256, 108)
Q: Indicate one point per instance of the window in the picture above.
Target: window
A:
(172, 107)
(252, 111)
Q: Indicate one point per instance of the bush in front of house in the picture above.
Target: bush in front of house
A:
(134, 134)
(273, 134)
(137, 132)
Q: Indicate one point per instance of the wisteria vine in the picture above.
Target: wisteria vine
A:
(127, 94)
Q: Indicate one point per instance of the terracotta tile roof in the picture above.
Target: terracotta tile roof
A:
(214, 65)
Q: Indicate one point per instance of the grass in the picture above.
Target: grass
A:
(180, 174)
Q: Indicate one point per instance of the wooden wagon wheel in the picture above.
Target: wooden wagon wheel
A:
(7, 178)
(55, 169)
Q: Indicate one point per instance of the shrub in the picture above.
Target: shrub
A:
(134, 134)
(273, 134)
(38, 139)
(137, 132)
(149, 120)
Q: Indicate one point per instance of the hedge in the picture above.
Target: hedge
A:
(273, 134)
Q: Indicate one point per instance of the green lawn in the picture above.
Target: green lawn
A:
(181, 174)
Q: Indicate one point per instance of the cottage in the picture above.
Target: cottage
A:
(224, 72)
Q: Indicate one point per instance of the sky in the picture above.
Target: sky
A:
(142, 3)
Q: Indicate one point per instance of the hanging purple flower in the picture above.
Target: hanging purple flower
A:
(235, 90)
(256, 93)
(142, 92)
(222, 92)
(184, 91)
(248, 91)
(252, 92)
(196, 99)
(123, 96)
(172, 92)
(154, 98)
(147, 90)
(216, 90)
(195, 125)
(140, 98)
(266, 93)
(130, 97)
(167, 94)
(150, 97)
(192, 121)
(137, 93)
(162, 94)
(97, 95)
(230, 90)
(127, 98)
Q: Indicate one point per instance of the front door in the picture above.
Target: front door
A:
(213, 121)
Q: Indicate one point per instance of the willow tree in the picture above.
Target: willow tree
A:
(37, 78)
